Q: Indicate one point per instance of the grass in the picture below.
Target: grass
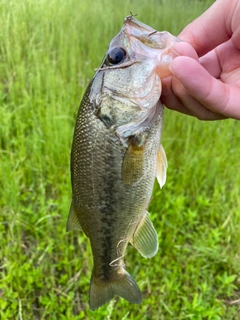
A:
(48, 52)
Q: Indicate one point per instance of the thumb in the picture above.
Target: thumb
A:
(184, 49)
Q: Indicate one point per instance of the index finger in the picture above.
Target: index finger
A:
(212, 28)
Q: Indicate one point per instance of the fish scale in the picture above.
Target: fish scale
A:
(116, 156)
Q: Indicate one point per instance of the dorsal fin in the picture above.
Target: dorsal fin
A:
(73, 222)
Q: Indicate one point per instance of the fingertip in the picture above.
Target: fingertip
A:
(176, 66)
(184, 49)
(182, 54)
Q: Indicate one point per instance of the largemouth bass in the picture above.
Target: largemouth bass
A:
(116, 155)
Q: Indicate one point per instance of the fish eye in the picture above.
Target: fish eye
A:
(116, 55)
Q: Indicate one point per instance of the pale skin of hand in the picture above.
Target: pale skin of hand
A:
(205, 80)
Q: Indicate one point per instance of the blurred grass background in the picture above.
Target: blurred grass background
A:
(48, 52)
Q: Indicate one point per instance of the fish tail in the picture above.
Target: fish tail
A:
(103, 291)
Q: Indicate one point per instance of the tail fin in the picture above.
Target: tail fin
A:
(102, 292)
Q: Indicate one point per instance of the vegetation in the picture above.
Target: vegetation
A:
(48, 52)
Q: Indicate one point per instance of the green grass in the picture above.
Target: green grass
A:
(48, 52)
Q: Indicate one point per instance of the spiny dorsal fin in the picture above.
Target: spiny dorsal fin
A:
(133, 162)
(161, 171)
(145, 238)
(73, 222)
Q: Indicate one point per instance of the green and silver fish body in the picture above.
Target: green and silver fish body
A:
(116, 155)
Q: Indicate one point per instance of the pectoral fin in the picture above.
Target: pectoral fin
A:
(133, 162)
(145, 238)
(161, 166)
(73, 222)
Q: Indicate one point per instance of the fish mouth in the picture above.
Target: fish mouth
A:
(150, 42)
(145, 34)
(137, 27)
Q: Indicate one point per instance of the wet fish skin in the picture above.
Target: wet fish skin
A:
(116, 154)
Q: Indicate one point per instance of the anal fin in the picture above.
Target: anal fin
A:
(73, 222)
(145, 238)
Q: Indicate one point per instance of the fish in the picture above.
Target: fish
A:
(116, 155)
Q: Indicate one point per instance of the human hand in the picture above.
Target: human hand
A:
(207, 87)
